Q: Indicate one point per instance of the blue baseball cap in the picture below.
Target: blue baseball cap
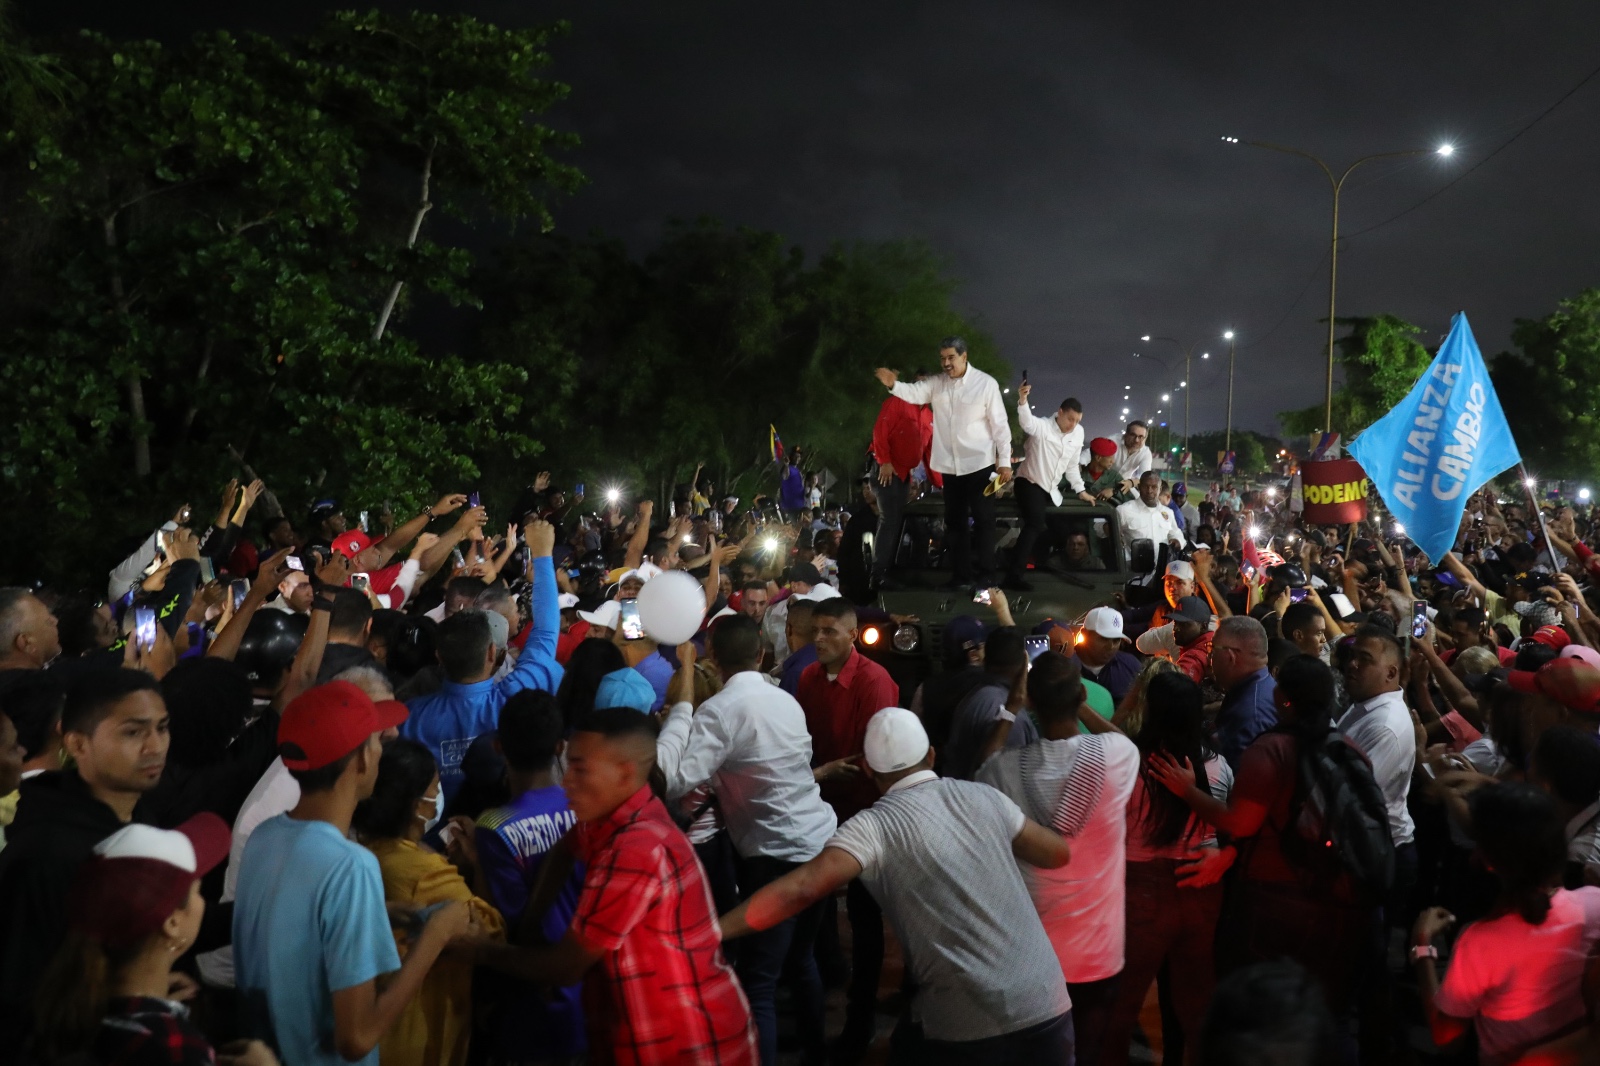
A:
(625, 688)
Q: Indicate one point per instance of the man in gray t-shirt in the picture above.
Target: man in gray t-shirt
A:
(940, 856)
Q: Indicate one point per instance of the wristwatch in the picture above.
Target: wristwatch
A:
(1424, 951)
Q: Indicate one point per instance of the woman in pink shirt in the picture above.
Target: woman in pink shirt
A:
(1518, 975)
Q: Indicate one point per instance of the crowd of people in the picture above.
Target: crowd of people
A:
(293, 788)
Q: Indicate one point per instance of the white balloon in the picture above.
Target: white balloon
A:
(671, 607)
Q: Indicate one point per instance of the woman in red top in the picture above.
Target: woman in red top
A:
(1282, 906)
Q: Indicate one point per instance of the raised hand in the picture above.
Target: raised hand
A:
(541, 481)
(540, 537)
(449, 503)
(886, 376)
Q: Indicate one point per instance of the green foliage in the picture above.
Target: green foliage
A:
(1382, 361)
(209, 233)
(1254, 453)
(651, 367)
(1550, 388)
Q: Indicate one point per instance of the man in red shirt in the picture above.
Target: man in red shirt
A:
(1191, 630)
(840, 693)
(901, 439)
(645, 938)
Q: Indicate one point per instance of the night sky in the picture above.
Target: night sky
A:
(1070, 166)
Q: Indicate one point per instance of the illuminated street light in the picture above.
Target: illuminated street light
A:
(1165, 397)
(1228, 336)
(1583, 494)
(1530, 482)
(1446, 150)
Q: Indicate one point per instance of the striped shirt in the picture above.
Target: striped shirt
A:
(936, 855)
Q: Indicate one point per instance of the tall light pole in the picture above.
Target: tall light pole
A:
(1188, 376)
(1227, 445)
(1333, 269)
(1166, 397)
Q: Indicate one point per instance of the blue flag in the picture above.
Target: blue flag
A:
(1439, 444)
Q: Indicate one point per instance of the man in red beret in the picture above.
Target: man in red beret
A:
(1101, 478)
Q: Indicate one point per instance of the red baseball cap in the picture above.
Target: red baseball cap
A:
(351, 543)
(326, 723)
(1554, 636)
(1572, 683)
(139, 875)
(1102, 446)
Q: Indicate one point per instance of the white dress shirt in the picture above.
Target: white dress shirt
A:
(1049, 454)
(1381, 728)
(970, 430)
(750, 742)
(1155, 524)
(1132, 465)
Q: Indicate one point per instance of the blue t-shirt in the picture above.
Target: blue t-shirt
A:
(512, 844)
(309, 921)
(794, 666)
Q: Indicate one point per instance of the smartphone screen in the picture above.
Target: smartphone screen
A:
(455, 556)
(364, 517)
(144, 627)
(1296, 595)
(1419, 620)
(1036, 646)
(578, 489)
(361, 581)
(632, 627)
(208, 571)
(982, 596)
(473, 500)
(294, 563)
(238, 589)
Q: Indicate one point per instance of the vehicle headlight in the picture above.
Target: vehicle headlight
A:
(907, 637)
(871, 635)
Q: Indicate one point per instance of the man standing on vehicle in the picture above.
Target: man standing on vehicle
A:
(901, 439)
(1051, 453)
(971, 446)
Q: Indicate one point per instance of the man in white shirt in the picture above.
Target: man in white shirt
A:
(1146, 518)
(1050, 453)
(971, 445)
(1379, 723)
(750, 742)
(1079, 785)
(942, 858)
(1133, 458)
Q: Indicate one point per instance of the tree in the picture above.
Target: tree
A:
(1550, 388)
(211, 243)
(1253, 452)
(1381, 361)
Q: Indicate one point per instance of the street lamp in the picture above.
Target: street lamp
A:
(1188, 366)
(1227, 445)
(1444, 150)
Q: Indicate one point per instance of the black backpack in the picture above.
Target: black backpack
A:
(1341, 824)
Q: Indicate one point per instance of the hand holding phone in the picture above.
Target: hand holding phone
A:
(1419, 620)
(144, 628)
(982, 596)
(632, 625)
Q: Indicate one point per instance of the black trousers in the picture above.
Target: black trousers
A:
(963, 501)
(891, 509)
(1034, 503)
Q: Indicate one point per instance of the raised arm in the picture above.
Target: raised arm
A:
(390, 546)
(917, 392)
(273, 569)
(641, 536)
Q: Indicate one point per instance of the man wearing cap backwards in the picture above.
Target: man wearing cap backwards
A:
(114, 725)
(1079, 785)
(1146, 519)
(749, 742)
(1099, 654)
(311, 931)
(644, 916)
(1050, 453)
(971, 445)
(941, 857)
(468, 704)
(1239, 668)
(136, 907)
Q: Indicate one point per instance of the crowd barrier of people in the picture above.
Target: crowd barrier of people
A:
(288, 787)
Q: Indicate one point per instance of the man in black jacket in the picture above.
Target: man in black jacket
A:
(114, 726)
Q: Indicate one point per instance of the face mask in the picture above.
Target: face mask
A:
(438, 812)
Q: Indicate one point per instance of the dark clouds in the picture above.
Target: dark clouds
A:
(1066, 158)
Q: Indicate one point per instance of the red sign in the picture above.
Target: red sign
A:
(1335, 491)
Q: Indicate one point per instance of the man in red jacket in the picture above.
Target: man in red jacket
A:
(901, 439)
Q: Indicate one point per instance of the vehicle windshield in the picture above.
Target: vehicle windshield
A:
(1077, 540)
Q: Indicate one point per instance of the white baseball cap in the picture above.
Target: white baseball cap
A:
(608, 615)
(1181, 569)
(1105, 621)
(567, 600)
(895, 740)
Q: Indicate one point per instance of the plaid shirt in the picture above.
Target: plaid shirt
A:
(663, 993)
(143, 1031)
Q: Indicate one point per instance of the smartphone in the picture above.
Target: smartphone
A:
(294, 563)
(238, 588)
(473, 500)
(578, 489)
(144, 628)
(1024, 377)
(632, 626)
(1419, 620)
(208, 571)
(574, 573)
(455, 557)
(982, 596)
(1036, 646)
(364, 527)
(1296, 595)
(361, 582)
